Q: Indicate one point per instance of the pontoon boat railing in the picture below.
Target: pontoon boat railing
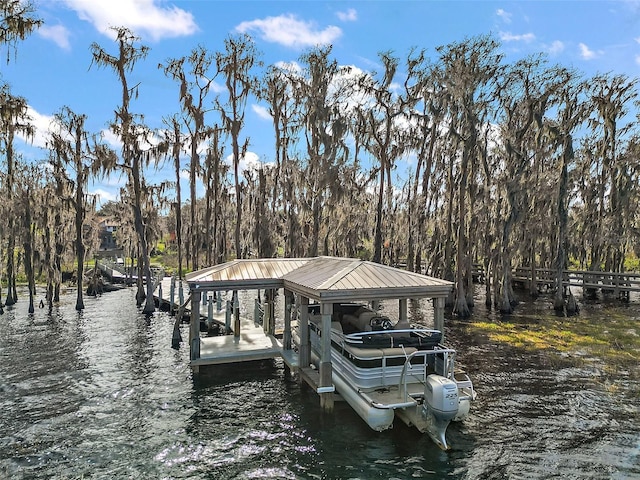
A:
(357, 337)
(447, 367)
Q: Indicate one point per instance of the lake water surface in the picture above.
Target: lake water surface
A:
(101, 394)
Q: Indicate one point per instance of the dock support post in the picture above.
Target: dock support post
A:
(209, 311)
(304, 359)
(180, 293)
(194, 326)
(172, 295)
(265, 316)
(236, 315)
(218, 301)
(326, 373)
(438, 315)
(288, 305)
(402, 311)
(256, 312)
(227, 317)
(271, 305)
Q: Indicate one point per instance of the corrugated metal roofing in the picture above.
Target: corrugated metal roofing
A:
(241, 274)
(320, 278)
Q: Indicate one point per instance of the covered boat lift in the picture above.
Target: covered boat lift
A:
(325, 280)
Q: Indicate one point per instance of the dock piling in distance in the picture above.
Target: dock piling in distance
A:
(236, 315)
(209, 311)
(227, 317)
(172, 295)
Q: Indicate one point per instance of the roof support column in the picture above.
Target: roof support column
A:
(325, 388)
(236, 316)
(209, 310)
(304, 359)
(268, 320)
(438, 315)
(402, 311)
(288, 305)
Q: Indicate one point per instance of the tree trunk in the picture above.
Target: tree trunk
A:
(141, 230)
(562, 213)
(11, 246)
(27, 244)
(461, 307)
(533, 286)
(80, 249)
(178, 207)
(377, 242)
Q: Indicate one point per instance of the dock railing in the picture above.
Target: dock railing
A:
(610, 282)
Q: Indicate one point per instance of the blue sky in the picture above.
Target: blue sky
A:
(51, 69)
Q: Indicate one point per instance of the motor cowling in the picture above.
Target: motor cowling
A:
(441, 397)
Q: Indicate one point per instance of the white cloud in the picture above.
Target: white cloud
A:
(505, 16)
(57, 33)
(250, 162)
(556, 47)
(41, 124)
(349, 16)
(111, 139)
(146, 18)
(586, 53)
(262, 112)
(291, 67)
(510, 37)
(115, 142)
(103, 196)
(290, 31)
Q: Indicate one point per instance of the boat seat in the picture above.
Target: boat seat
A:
(351, 324)
(397, 351)
(364, 353)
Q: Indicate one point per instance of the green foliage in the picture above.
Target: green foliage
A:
(632, 263)
(616, 341)
(366, 251)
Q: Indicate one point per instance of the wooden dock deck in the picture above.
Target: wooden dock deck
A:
(252, 343)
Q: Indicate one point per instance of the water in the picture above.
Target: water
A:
(101, 394)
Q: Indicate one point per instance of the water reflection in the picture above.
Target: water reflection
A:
(102, 394)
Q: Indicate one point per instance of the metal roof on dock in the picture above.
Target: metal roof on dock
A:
(320, 278)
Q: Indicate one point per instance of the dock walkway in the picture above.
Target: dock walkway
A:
(251, 344)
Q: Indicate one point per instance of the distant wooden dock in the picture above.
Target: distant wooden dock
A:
(619, 285)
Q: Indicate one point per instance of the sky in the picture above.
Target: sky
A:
(52, 68)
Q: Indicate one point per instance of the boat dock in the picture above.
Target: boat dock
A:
(323, 281)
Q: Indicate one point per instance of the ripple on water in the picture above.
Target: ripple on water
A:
(101, 394)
